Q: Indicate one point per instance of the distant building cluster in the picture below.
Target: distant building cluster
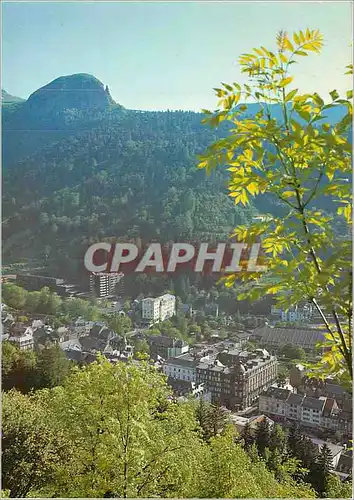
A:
(309, 411)
(295, 314)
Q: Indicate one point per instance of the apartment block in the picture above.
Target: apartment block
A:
(158, 309)
(236, 378)
(322, 412)
(106, 284)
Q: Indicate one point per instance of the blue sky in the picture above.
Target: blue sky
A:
(161, 55)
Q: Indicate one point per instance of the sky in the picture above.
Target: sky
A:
(165, 55)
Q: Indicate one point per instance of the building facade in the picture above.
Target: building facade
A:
(166, 347)
(106, 284)
(322, 412)
(236, 378)
(22, 337)
(181, 368)
(158, 309)
(297, 313)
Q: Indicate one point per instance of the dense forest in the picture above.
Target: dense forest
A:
(82, 169)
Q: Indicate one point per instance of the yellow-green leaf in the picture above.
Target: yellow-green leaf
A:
(291, 94)
(334, 94)
(285, 81)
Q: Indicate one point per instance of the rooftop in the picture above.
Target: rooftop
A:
(297, 336)
(183, 360)
(295, 399)
(277, 393)
(313, 403)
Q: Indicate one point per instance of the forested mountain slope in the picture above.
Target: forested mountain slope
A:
(78, 168)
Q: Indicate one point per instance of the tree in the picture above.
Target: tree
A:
(281, 380)
(194, 329)
(112, 430)
(141, 347)
(212, 419)
(49, 302)
(202, 416)
(127, 306)
(262, 436)
(289, 153)
(320, 470)
(247, 437)
(14, 296)
(335, 488)
(293, 352)
(277, 439)
(52, 367)
(218, 419)
(8, 354)
(18, 368)
(226, 471)
(306, 451)
(294, 438)
(120, 441)
(118, 323)
(154, 331)
(30, 448)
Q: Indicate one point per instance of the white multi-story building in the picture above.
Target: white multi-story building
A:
(22, 338)
(181, 368)
(106, 284)
(158, 309)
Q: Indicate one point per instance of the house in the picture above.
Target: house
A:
(21, 336)
(345, 463)
(83, 325)
(183, 389)
(275, 402)
(335, 450)
(297, 313)
(240, 422)
(71, 345)
(312, 409)
(37, 323)
(292, 406)
(166, 347)
(274, 338)
(106, 284)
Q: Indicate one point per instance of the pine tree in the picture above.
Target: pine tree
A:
(277, 439)
(307, 452)
(247, 437)
(294, 438)
(218, 419)
(262, 436)
(320, 470)
(52, 367)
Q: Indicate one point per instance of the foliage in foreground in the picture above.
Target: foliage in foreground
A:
(298, 160)
(113, 430)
